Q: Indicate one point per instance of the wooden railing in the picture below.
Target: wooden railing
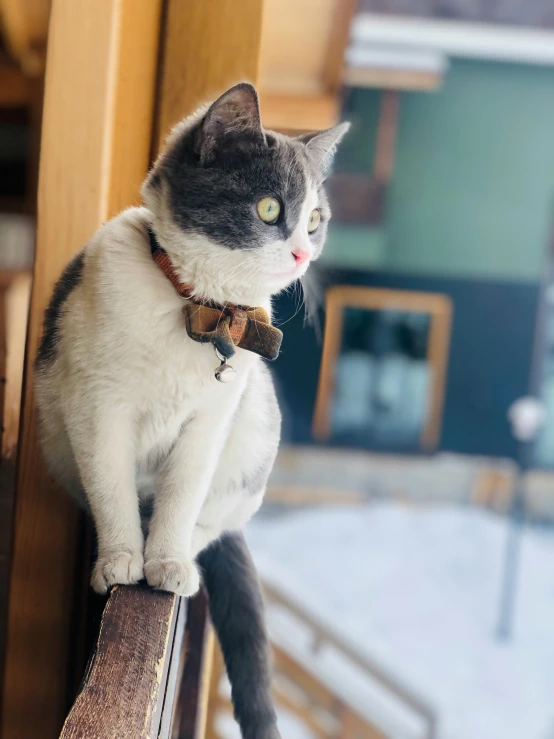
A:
(146, 675)
(300, 692)
(156, 653)
(324, 635)
(316, 704)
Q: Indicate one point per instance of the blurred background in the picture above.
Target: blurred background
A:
(407, 541)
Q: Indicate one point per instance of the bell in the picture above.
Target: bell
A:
(225, 373)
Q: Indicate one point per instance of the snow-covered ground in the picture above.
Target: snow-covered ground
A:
(417, 589)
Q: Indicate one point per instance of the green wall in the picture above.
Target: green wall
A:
(473, 189)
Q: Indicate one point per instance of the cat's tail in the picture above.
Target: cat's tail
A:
(236, 608)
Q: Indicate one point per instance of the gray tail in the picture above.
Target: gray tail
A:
(237, 612)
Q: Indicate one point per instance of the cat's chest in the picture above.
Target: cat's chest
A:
(174, 399)
(167, 378)
(177, 384)
(173, 368)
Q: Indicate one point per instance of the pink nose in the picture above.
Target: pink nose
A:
(300, 256)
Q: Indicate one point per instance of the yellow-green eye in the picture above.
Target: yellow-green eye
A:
(313, 223)
(269, 209)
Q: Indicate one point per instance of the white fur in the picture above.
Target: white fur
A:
(238, 276)
(125, 380)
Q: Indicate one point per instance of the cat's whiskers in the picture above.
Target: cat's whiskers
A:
(296, 312)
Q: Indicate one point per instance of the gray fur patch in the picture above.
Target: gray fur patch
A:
(69, 280)
(220, 201)
(218, 169)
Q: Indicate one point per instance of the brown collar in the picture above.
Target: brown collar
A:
(224, 326)
(161, 257)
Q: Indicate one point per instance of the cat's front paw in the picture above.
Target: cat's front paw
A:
(119, 568)
(176, 576)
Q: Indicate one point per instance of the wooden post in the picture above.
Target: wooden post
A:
(16, 308)
(207, 47)
(96, 137)
(214, 700)
(191, 705)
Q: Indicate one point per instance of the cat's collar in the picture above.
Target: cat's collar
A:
(224, 326)
(161, 257)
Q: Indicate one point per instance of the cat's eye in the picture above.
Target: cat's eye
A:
(269, 209)
(313, 223)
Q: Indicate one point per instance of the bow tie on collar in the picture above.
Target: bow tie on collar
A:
(224, 326)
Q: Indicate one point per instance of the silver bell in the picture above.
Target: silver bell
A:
(224, 373)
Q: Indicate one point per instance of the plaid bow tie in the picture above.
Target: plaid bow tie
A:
(229, 327)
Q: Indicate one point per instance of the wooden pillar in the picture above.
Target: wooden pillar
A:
(207, 47)
(96, 137)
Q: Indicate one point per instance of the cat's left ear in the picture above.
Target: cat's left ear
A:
(322, 145)
(235, 113)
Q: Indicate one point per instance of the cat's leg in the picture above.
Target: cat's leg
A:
(181, 490)
(103, 447)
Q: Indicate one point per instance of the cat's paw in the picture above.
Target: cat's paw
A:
(120, 568)
(173, 575)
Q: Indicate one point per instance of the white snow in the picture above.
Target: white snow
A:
(417, 590)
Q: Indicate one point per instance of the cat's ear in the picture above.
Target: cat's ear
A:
(322, 145)
(235, 113)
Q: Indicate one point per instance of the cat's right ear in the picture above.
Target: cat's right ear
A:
(236, 113)
(322, 145)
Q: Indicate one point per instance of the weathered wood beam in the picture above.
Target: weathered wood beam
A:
(124, 689)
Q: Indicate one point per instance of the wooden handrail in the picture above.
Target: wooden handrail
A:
(144, 678)
(130, 667)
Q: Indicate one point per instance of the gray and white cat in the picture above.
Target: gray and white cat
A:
(130, 412)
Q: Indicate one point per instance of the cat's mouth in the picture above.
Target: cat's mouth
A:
(284, 275)
(295, 271)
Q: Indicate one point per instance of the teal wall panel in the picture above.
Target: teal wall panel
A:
(473, 188)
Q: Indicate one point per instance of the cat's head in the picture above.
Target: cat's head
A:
(241, 211)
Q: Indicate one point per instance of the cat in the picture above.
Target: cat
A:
(130, 412)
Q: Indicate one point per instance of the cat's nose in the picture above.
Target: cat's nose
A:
(300, 256)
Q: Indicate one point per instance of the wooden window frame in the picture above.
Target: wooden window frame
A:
(438, 306)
